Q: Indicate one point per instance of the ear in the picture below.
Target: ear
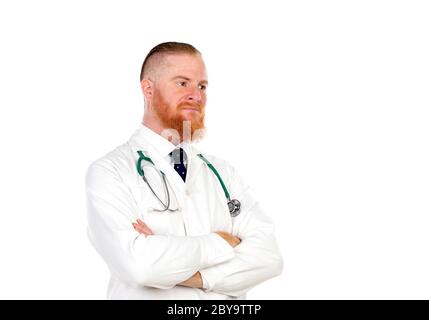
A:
(147, 88)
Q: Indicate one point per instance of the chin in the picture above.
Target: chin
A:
(191, 117)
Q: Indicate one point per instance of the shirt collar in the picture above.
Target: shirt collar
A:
(160, 144)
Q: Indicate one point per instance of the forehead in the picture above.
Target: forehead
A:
(187, 65)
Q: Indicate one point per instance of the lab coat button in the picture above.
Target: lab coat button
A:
(188, 192)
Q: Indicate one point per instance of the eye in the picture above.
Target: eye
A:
(181, 83)
(202, 87)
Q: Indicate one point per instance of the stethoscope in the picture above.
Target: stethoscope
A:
(234, 205)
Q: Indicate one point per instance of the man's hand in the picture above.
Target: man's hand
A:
(142, 228)
(194, 282)
(232, 240)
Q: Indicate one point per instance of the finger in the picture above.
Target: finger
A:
(144, 225)
(147, 230)
(141, 224)
(143, 230)
(135, 225)
(138, 228)
(139, 221)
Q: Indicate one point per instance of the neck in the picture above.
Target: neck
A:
(153, 124)
(156, 126)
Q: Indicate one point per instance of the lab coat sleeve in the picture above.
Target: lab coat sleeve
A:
(257, 257)
(155, 261)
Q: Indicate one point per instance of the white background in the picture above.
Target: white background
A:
(322, 106)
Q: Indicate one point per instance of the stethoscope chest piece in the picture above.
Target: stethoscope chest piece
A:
(234, 207)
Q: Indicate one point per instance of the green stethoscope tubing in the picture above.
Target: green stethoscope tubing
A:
(234, 205)
(225, 190)
(140, 170)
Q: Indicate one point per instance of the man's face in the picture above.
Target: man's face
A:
(180, 92)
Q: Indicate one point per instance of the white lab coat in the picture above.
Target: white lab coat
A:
(184, 242)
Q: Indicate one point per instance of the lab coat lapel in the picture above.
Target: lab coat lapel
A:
(194, 166)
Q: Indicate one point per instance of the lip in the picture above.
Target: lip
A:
(191, 109)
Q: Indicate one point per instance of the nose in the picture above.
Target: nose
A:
(195, 95)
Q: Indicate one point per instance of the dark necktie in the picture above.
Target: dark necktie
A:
(180, 162)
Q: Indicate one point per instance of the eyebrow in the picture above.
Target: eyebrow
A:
(188, 79)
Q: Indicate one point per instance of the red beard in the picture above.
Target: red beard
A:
(173, 118)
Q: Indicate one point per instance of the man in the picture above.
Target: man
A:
(159, 215)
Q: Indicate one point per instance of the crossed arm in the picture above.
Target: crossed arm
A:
(195, 281)
(164, 261)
